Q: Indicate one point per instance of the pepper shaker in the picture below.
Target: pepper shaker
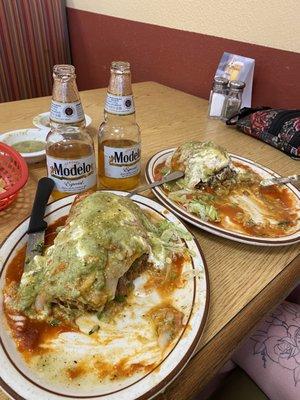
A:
(217, 97)
(233, 100)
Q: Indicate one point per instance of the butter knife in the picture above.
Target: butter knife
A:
(37, 225)
(279, 181)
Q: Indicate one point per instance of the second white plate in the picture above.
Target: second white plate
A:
(264, 172)
(43, 120)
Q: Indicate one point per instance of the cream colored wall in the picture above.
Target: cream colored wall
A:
(273, 23)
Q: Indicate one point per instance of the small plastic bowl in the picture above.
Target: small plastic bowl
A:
(22, 135)
(13, 174)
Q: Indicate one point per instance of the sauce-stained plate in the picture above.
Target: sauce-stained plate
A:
(160, 158)
(22, 382)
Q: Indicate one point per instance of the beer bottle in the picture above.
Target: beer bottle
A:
(119, 141)
(66, 108)
(70, 152)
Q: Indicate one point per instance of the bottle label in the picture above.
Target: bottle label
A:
(121, 105)
(72, 176)
(66, 112)
(122, 162)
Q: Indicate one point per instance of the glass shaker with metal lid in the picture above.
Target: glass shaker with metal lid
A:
(233, 100)
(217, 97)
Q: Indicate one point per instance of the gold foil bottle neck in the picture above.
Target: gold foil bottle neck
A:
(64, 72)
(120, 67)
(120, 79)
(65, 88)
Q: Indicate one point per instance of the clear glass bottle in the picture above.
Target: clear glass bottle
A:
(119, 140)
(233, 100)
(70, 152)
(217, 97)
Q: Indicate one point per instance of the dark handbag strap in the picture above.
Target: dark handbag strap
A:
(244, 112)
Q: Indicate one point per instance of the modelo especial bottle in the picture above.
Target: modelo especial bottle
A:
(119, 140)
(70, 152)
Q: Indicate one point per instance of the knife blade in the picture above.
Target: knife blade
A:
(37, 225)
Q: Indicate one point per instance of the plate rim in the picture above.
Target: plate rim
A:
(177, 369)
(38, 125)
(32, 128)
(224, 233)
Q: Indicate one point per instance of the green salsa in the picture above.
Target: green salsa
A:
(29, 146)
(105, 235)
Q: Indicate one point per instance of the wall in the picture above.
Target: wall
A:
(253, 21)
(179, 43)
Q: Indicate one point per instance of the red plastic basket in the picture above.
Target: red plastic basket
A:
(13, 172)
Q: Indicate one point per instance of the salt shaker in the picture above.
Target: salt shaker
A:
(233, 100)
(217, 97)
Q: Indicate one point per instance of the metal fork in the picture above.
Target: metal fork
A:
(168, 178)
(277, 181)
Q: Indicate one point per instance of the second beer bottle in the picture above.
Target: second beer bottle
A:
(119, 143)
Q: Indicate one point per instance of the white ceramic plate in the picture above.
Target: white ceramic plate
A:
(21, 135)
(264, 172)
(21, 382)
(43, 120)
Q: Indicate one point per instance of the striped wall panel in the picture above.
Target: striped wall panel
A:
(33, 38)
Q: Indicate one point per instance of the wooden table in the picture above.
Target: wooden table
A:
(245, 281)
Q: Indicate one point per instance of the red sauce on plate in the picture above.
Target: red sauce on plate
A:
(29, 333)
(278, 202)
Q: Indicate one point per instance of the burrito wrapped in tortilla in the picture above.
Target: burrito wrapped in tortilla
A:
(104, 236)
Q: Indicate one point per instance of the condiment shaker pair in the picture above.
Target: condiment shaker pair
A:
(225, 98)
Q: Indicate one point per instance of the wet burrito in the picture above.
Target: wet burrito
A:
(104, 236)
